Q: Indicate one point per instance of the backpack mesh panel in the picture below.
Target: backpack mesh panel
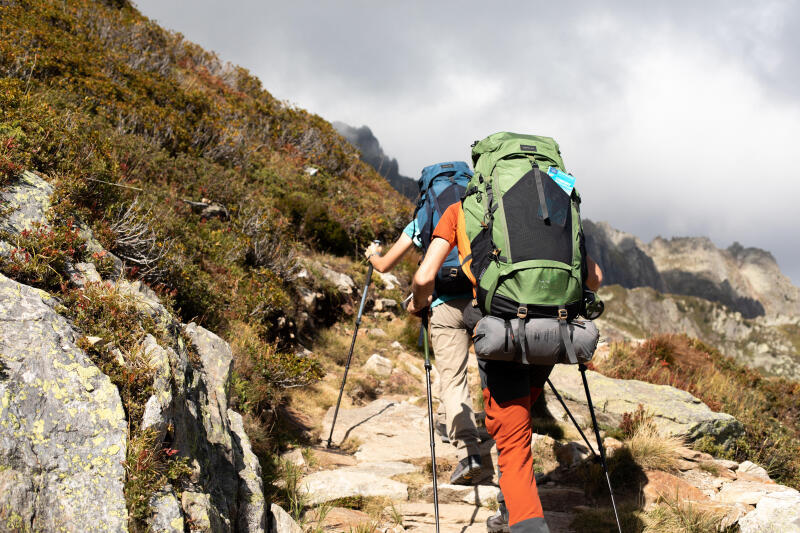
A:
(529, 236)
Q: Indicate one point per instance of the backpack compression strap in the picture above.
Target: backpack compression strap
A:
(563, 326)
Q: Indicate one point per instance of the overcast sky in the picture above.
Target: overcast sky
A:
(678, 119)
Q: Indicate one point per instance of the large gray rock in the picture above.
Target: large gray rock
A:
(167, 515)
(342, 282)
(29, 200)
(281, 521)
(252, 515)
(62, 426)
(778, 511)
(675, 412)
(386, 431)
(329, 485)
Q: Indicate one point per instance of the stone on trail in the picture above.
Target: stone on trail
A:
(479, 495)
(748, 492)
(664, 485)
(376, 332)
(675, 412)
(342, 282)
(779, 511)
(387, 431)
(329, 485)
(752, 471)
(282, 522)
(378, 365)
(60, 461)
(384, 304)
(390, 281)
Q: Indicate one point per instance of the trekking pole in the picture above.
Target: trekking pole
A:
(575, 422)
(352, 345)
(600, 446)
(430, 415)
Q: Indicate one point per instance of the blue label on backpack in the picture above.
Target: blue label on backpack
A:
(564, 180)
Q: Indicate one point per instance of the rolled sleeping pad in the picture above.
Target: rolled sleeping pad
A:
(496, 339)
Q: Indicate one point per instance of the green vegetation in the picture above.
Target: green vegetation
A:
(768, 407)
(128, 122)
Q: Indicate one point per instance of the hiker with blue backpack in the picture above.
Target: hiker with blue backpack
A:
(520, 242)
(442, 185)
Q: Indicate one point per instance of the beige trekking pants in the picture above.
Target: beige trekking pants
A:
(450, 342)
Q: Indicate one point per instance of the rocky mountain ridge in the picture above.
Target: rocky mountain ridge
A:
(746, 280)
(372, 154)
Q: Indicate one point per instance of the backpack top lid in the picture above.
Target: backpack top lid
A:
(432, 171)
(495, 147)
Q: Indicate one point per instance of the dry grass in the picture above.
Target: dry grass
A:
(653, 451)
(673, 515)
(769, 408)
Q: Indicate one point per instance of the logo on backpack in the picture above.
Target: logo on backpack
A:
(440, 186)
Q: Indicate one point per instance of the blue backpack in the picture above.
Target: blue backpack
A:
(440, 186)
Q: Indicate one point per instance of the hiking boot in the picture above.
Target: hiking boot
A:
(498, 522)
(467, 471)
(441, 429)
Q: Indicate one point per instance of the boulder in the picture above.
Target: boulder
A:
(390, 281)
(750, 470)
(282, 522)
(779, 511)
(675, 412)
(384, 304)
(378, 365)
(376, 332)
(387, 431)
(342, 282)
(478, 495)
(330, 485)
(572, 453)
(663, 485)
(748, 492)
(62, 427)
(28, 200)
(167, 516)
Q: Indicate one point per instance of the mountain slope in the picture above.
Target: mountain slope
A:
(128, 151)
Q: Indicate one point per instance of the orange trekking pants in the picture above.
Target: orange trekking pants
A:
(509, 391)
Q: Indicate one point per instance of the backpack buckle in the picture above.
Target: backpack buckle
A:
(522, 312)
(562, 314)
(453, 272)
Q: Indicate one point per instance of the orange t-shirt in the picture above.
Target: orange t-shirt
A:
(451, 227)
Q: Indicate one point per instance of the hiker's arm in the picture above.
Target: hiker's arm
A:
(595, 277)
(383, 263)
(425, 278)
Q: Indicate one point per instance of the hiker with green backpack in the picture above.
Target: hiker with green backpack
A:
(520, 242)
(442, 185)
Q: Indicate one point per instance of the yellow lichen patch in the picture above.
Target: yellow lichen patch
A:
(85, 373)
(113, 449)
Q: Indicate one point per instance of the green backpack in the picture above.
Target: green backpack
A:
(528, 256)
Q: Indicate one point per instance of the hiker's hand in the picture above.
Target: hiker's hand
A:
(417, 309)
(373, 249)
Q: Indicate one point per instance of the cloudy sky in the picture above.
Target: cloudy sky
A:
(677, 118)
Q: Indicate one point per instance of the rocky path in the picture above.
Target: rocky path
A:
(377, 475)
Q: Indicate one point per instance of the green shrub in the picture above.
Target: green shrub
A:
(40, 256)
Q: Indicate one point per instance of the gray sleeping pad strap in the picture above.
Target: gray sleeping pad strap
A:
(563, 326)
(523, 343)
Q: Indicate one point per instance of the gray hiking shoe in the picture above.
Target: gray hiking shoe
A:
(498, 522)
(467, 471)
